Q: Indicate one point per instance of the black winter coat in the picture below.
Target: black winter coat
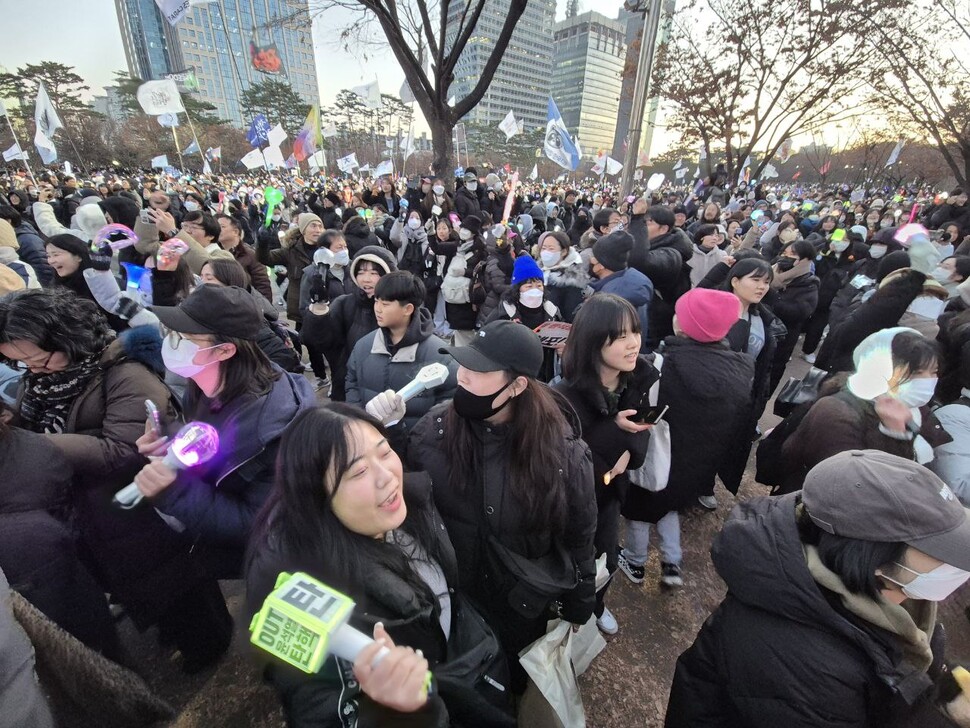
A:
(664, 261)
(781, 650)
(467, 203)
(296, 255)
(332, 698)
(483, 513)
(708, 390)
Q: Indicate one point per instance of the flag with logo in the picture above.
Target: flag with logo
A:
(347, 164)
(48, 122)
(510, 126)
(558, 145)
(193, 148)
(160, 162)
(308, 139)
(160, 97)
(168, 120)
(370, 93)
(258, 133)
(291, 162)
(213, 154)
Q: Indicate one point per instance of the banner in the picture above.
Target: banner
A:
(266, 59)
(347, 164)
(894, 157)
(385, 167)
(308, 139)
(193, 148)
(370, 93)
(510, 126)
(160, 162)
(15, 152)
(785, 151)
(48, 122)
(184, 79)
(160, 97)
(168, 120)
(558, 146)
(258, 133)
(276, 135)
(253, 159)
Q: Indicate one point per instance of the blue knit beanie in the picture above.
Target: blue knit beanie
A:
(524, 269)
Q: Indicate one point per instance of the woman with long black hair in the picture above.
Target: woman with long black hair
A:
(343, 511)
(514, 484)
(606, 380)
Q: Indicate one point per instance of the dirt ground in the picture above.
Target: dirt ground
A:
(625, 687)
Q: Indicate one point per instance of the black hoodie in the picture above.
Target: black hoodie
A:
(780, 650)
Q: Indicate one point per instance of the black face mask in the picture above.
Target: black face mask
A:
(476, 406)
(786, 264)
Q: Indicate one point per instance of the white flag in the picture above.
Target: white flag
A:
(347, 164)
(769, 172)
(409, 144)
(701, 153)
(599, 167)
(509, 126)
(534, 174)
(894, 157)
(253, 159)
(15, 152)
(330, 130)
(317, 160)
(274, 157)
(276, 135)
(206, 169)
(680, 173)
(407, 96)
(747, 163)
(370, 93)
(385, 167)
(160, 162)
(638, 175)
(785, 151)
(48, 122)
(680, 163)
(173, 10)
(365, 168)
(160, 97)
(612, 166)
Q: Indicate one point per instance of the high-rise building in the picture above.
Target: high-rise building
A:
(590, 50)
(521, 81)
(212, 40)
(634, 29)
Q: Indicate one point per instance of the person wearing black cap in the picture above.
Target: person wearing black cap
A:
(609, 272)
(211, 341)
(468, 201)
(514, 485)
(830, 615)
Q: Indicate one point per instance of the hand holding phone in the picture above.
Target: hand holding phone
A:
(651, 415)
(154, 419)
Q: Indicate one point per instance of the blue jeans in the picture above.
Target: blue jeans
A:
(638, 540)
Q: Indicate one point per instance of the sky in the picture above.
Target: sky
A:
(91, 42)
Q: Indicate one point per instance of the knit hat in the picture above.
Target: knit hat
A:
(8, 238)
(877, 203)
(525, 269)
(472, 223)
(10, 281)
(538, 211)
(304, 220)
(375, 254)
(90, 219)
(612, 251)
(492, 179)
(707, 315)
(892, 262)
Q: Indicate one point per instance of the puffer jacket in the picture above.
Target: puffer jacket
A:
(782, 650)
(664, 261)
(467, 203)
(295, 254)
(498, 278)
(34, 253)
(951, 460)
(460, 312)
(373, 368)
(636, 288)
(565, 283)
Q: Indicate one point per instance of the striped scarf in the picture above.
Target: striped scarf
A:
(48, 398)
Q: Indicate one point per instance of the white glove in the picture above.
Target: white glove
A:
(388, 407)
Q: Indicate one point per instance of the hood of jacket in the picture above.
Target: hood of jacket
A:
(630, 284)
(142, 344)
(121, 209)
(419, 329)
(676, 239)
(760, 557)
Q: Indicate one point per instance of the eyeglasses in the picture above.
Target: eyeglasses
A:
(24, 365)
(175, 338)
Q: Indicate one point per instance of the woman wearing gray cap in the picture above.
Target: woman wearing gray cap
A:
(514, 484)
(830, 615)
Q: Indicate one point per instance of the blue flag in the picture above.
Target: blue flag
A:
(258, 131)
(558, 145)
(193, 148)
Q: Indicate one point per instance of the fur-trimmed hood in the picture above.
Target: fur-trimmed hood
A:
(569, 272)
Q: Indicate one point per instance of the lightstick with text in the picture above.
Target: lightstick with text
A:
(196, 443)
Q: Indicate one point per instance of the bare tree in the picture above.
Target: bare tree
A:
(744, 75)
(428, 47)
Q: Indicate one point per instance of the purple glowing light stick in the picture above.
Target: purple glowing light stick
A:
(196, 443)
(129, 237)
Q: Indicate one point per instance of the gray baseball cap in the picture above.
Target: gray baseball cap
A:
(871, 495)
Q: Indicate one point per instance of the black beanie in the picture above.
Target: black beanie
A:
(612, 251)
(892, 262)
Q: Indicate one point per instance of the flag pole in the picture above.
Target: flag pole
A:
(178, 149)
(23, 153)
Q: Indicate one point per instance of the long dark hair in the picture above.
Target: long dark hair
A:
(247, 372)
(537, 434)
(298, 516)
(600, 322)
(229, 272)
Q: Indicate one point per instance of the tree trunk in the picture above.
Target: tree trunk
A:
(443, 147)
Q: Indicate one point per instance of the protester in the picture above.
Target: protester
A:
(231, 239)
(564, 274)
(30, 245)
(299, 245)
(609, 272)
(457, 288)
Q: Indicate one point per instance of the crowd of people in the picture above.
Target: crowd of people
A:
(608, 359)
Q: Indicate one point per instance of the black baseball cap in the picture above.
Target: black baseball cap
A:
(211, 309)
(498, 347)
(871, 495)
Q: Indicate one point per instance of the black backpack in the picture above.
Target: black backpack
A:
(770, 468)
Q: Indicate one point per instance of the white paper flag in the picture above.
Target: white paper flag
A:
(47, 122)
(534, 174)
(274, 158)
(370, 93)
(894, 157)
(276, 135)
(253, 159)
(160, 162)
(613, 166)
(15, 152)
(330, 130)
(160, 97)
(385, 167)
(509, 126)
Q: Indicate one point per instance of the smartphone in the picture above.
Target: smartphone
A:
(647, 415)
(153, 417)
(145, 218)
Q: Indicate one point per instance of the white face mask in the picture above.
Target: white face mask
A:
(935, 585)
(180, 361)
(465, 234)
(471, 186)
(916, 392)
(549, 258)
(940, 274)
(945, 251)
(877, 251)
(342, 257)
(191, 205)
(414, 223)
(438, 190)
(839, 245)
(277, 218)
(531, 298)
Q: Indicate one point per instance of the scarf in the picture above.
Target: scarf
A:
(48, 398)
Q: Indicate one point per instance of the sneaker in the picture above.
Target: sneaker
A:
(810, 358)
(633, 572)
(708, 501)
(607, 622)
(322, 382)
(671, 575)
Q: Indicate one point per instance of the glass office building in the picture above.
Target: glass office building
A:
(213, 41)
(590, 50)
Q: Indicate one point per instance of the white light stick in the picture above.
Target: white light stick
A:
(430, 376)
(195, 443)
